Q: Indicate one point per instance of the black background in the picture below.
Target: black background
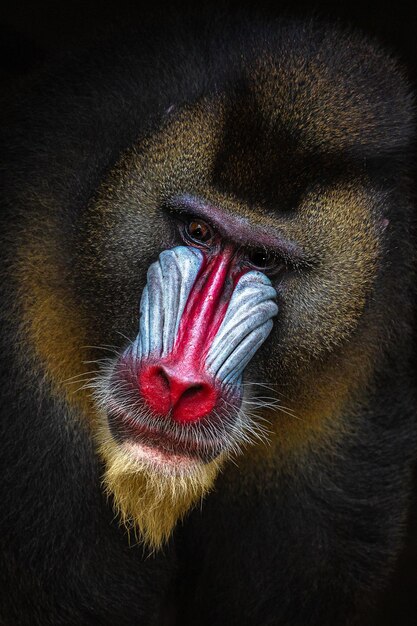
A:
(33, 33)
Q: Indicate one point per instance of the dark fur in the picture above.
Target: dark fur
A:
(305, 541)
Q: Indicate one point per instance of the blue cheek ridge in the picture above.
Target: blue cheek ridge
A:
(169, 282)
(246, 325)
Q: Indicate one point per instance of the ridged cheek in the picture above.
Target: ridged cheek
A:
(202, 319)
(169, 283)
(240, 324)
(246, 325)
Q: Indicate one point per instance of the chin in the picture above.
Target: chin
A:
(151, 481)
(159, 460)
(172, 413)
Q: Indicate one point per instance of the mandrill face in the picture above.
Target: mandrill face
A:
(188, 390)
(172, 401)
(203, 315)
(250, 220)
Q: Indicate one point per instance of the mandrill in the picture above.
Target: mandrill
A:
(207, 304)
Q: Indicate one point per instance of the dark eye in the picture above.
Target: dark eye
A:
(264, 259)
(199, 231)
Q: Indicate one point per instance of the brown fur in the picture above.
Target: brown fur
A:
(320, 315)
(52, 320)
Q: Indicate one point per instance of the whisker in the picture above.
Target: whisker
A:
(124, 336)
(104, 346)
(73, 379)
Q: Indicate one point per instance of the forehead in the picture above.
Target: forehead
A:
(299, 118)
(233, 162)
(296, 115)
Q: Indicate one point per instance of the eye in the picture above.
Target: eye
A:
(198, 231)
(263, 259)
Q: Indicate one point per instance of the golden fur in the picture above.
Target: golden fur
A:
(150, 497)
(172, 162)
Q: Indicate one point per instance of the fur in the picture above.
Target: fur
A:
(293, 127)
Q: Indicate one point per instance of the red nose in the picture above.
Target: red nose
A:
(172, 387)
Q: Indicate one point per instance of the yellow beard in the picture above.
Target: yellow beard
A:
(151, 495)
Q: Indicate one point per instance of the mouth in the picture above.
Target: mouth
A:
(169, 442)
(158, 458)
(161, 440)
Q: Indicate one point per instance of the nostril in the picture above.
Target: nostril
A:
(166, 388)
(154, 387)
(195, 402)
(191, 392)
(163, 377)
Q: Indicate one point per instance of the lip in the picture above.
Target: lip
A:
(159, 459)
(126, 429)
(199, 442)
